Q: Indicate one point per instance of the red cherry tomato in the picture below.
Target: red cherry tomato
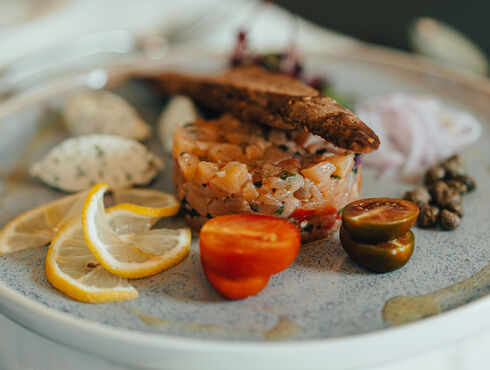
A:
(301, 215)
(235, 288)
(241, 247)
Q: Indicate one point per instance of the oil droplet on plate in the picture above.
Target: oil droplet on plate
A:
(404, 309)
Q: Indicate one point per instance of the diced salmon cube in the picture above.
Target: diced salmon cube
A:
(249, 192)
(225, 153)
(343, 164)
(232, 179)
(188, 164)
(254, 152)
(320, 172)
(237, 138)
(206, 171)
(183, 142)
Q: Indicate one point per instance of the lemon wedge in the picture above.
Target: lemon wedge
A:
(135, 254)
(36, 227)
(72, 268)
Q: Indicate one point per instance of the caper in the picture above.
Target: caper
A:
(453, 166)
(434, 174)
(449, 220)
(458, 209)
(437, 189)
(467, 180)
(428, 216)
(452, 200)
(459, 186)
(420, 196)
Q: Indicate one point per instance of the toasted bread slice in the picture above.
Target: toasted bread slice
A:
(256, 95)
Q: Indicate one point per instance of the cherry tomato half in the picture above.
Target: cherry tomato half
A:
(382, 257)
(235, 288)
(302, 214)
(248, 245)
(376, 220)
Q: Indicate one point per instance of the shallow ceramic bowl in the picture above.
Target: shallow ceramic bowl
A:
(322, 311)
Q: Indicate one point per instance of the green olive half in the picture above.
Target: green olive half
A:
(376, 220)
(382, 257)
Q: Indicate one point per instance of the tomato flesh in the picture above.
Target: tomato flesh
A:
(375, 220)
(301, 215)
(235, 288)
(382, 257)
(248, 245)
(240, 252)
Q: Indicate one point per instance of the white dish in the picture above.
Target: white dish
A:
(323, 311)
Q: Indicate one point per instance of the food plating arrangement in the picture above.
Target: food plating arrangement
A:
(232, 203)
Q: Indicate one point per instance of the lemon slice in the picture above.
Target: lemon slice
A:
(72, 268)
(135, 254)
(36, 227)
(146, 202)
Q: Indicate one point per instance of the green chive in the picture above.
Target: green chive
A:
(280, 210)
(285, 174)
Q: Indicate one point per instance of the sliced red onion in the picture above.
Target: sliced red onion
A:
(416, 132)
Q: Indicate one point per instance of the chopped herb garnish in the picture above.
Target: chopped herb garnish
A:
(280, 210)
(128, 176)
(285, 174)
(308, 228)
(56, 178)
(336, 177)
(99, 151)
(297, 154)
(283, 147)
(80, 172)
(258, 184)
(354, 170)
(340, 211)
(188, 124)
(208, 215)
(321, 151)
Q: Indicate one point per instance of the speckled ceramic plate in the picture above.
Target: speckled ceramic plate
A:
(322, 310)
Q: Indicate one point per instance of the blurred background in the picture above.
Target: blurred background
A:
(450, 32)
(387, 22)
